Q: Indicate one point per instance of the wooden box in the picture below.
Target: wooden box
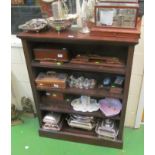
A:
(17, 2)
(130, 34)
(52, 80)
(116, 90)
(116, 15)
(98, 60)
(55, 96)
(51, 55)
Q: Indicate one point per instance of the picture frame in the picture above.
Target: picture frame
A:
(119, 1)
(116, 15)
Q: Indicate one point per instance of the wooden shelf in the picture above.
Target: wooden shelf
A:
(72, 134)
(100, 92)
(78, 67)
(113, 46)
(65, 107)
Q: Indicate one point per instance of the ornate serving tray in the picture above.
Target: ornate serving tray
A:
(34, 25)
(82, 122)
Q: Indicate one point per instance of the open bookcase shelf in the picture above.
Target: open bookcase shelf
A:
(80, 67)
(108, 46)
(65, 107)
(98, 92)
(78, 135)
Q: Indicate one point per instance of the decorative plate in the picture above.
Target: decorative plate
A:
(110, 106)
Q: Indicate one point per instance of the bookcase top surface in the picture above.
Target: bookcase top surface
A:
(73, 36)
(127, 36)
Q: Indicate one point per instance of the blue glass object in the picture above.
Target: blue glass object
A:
(30, 2)
(107, 81)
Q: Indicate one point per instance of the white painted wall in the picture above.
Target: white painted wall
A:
(19, 74)
(140, 108)
(136, 82)
(21, 85)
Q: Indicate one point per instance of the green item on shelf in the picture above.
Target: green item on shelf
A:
(59, 63)
(97, 62)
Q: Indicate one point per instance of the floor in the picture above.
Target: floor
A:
(25, 141)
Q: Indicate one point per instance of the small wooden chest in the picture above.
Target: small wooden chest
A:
(51, 55)
(52, 80)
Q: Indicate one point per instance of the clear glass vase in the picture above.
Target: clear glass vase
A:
(85, 28)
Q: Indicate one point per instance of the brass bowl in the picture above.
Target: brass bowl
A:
(62, 24)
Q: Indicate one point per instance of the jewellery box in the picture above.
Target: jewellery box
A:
(51, 54)
(52, 80)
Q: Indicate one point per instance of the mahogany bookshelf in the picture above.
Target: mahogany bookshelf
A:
(76, 42)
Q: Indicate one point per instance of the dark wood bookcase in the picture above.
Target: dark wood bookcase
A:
(79, 43)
